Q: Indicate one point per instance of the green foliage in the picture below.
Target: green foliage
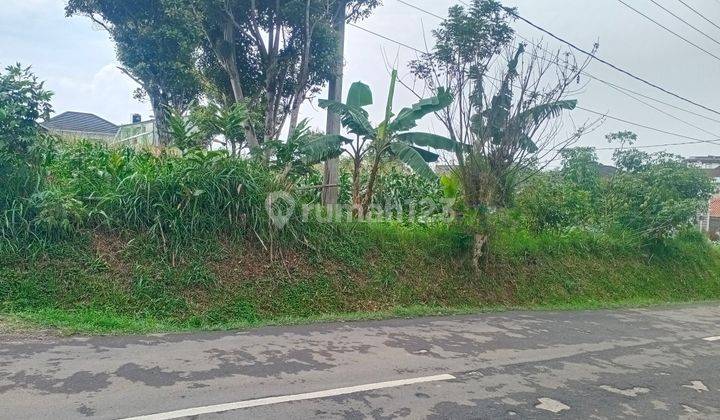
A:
(661, 195)
(650, 196)
(184, 132)
(388, 141)
(388, 138)
(467, 39)
(580, 167)
(365, 270)
(549, 202)
(397, 188)
(23, 101)
(226, 121)
(289, 157)
(174, 198)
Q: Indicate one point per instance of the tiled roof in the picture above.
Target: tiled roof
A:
(715, 206)
(713, 173)
(704, 159)
(80, 122)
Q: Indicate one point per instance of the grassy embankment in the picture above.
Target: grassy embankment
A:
(101, 283)
(115, 240)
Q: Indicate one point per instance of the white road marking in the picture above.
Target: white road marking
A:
(689, 409)
(548, 404)
(288, 398)
(697, 386)
(632, 392)
(716, 338)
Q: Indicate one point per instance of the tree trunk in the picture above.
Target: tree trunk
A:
(227, 57)
(331, 191)
(371, 184)
(356, 199)
(299, 96)
(294, 116)
(480, 254)
(159, 107)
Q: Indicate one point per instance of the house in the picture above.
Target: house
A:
(81, 125)
(709, 164)
(709, 221)
(85, 126)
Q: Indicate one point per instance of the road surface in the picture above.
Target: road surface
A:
(652, 363)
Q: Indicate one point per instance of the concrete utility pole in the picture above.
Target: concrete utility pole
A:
(331, 190)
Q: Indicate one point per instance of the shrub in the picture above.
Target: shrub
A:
(550, 202)
(399, 189)
(660, 196)
(23, 101)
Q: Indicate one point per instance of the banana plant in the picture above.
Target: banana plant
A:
(504, 132)
(391, 139)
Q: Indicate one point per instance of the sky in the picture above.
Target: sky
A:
(77, 61)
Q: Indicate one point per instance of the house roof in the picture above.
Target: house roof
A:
(80, 122)
(713, 173)
(606, 170)
(704, 159)
(715, 206)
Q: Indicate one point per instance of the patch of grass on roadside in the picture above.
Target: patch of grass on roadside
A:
(131, 284)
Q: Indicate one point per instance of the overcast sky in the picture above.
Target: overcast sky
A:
(78, 60)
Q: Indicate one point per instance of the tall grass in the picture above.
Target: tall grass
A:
(172, 198)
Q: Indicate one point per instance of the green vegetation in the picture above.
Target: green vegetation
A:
(101, 282)
(96, 238)
(118, 240)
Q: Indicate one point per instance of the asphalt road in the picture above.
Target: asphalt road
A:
(658, 363)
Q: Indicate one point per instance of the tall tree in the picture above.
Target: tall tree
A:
(506, 107)
(156, 46)
(275, 54)
(333, 126)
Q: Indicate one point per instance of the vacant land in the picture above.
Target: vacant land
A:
(100, 283)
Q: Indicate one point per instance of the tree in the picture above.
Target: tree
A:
(507, 124)
(23, 101)
(580, 167)
(157, 48)
(275, 54)
(655, 195)
(391, 139)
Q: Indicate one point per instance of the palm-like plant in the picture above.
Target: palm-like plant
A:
(184, 132)
(389, 140)
(503, 132)
(226, 121)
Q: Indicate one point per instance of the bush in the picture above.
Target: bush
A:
(651, 196)
(660, 195)
(550, 202)
(23, 101)
(89, 186)
(399, 189)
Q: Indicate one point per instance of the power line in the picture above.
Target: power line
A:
(649, 97)
(669, 30)
(685, 22)
(647, 127)
(689, 124)
(621, 89)
(651, 146)
(386, 38)
(611, 65)
(699, 14)
(421, 9)
(604, 115)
